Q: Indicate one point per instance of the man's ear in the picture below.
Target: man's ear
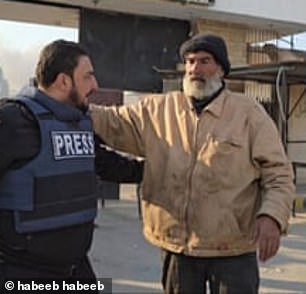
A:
(220, 71)
(63, 81)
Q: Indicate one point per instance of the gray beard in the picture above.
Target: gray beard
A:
(201, 90)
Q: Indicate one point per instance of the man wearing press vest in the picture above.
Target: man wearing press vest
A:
(47, 170)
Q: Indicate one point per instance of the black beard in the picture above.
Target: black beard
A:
(75, 100)
(83, 108)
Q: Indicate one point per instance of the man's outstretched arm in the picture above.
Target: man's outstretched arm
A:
(116, 167)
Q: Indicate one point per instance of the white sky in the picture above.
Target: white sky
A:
(299, 42)
(20, 44)
(22, 36)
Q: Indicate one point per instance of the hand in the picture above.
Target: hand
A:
(267, 235)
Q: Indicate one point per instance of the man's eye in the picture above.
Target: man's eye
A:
(201, 61)
(190, 61)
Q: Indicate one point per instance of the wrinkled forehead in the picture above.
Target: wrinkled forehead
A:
(201, 57)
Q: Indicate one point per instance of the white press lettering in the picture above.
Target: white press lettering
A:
(85, 144)
(77, 144)
(58, 144)
(91, 143)
(68, 144)
(72, 144)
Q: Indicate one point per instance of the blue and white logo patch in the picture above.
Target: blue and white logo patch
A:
(75, 144)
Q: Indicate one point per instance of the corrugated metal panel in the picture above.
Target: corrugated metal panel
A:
(262, 92)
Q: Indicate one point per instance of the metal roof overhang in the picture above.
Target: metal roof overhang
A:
(267, 73)
(263, 73)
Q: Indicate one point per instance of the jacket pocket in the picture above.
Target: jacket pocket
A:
(221, 158)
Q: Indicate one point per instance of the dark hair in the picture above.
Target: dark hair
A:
(60, 56)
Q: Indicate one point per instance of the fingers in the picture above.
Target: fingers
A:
(268, 247)
(268, 238)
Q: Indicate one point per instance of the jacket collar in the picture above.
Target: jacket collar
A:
(215, 107)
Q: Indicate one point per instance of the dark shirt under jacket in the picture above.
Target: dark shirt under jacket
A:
(19, 143)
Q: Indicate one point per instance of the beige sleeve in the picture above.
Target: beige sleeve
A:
(121, 127)
(276, 174)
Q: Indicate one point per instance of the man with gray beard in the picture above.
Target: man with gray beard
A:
(217, 185)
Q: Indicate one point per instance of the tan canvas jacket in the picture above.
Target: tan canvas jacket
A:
(206, 177)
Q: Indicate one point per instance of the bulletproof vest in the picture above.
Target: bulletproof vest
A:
(58, 187)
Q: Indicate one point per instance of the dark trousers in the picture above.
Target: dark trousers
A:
(224, 275)
(15, 271)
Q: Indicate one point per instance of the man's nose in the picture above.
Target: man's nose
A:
(195, 66)
(95, 85)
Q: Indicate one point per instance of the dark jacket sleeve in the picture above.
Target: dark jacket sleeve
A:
(19, 136)
(116, 167)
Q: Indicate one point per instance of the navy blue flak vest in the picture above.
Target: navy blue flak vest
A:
(58, 187)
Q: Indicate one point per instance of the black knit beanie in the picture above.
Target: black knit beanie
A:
(210, 43)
